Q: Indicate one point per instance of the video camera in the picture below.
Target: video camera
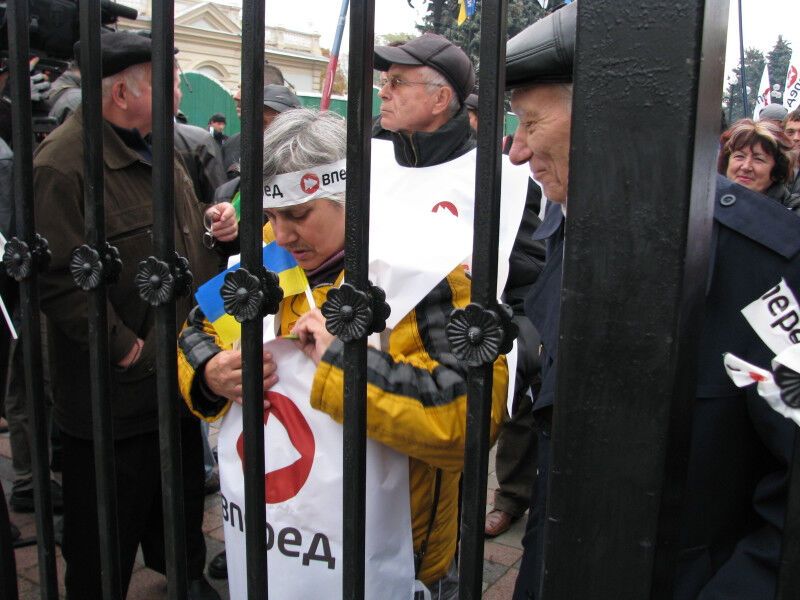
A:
(54, 27)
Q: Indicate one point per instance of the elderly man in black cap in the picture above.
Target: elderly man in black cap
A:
(59, 188)
(736, 489)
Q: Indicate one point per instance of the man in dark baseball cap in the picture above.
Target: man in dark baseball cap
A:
(277, 99)
(424, 84)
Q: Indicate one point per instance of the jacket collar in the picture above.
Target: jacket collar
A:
(426, 149)
(116, 155)
(754, 216)
(553, 218)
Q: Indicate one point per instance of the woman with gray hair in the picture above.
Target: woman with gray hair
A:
(416, 396)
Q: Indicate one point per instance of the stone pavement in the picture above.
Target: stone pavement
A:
(501, 555)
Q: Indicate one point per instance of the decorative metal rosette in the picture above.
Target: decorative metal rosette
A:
(380, 308)
(155, 281)
(510, 328)
(476, 335)
(242, 295)
(17, 259)
(183, 276)
(789, 382)
(348, 313)
(112, 263)
(86, 267)
(271, 288)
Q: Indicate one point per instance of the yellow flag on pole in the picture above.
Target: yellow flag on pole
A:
(462, 11)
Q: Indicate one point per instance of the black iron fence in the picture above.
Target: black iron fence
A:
(608, 95)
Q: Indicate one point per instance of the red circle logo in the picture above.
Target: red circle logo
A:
(792, 77)
(445, 206)
(309, 183)
(282, 484)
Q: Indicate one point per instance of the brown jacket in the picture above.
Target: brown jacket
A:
(58, 197)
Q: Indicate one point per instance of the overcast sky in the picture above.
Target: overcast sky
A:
(763, 20)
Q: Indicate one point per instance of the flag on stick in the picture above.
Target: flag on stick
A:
(292, 281)
(764, 91)
(791, 91)
(466, 8)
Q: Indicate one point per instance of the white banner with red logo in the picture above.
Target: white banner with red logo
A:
(304, 464)
(447, 189)
(764, 94)
(791, 91)
(779, 387)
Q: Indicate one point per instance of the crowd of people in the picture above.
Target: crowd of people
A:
(416, 393)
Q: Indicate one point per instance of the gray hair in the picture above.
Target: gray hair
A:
(133, 76)
(436, 80)
(301, 138)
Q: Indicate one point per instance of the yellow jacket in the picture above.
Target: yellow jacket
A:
(416, 403)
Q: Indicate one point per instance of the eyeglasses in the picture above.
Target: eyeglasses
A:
(395, 82)
(209, 241)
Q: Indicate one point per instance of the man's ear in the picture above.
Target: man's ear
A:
(119, 94)
(444, 94)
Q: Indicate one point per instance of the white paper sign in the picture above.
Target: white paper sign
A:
(303, 450)
(401, 196)
(775, 317)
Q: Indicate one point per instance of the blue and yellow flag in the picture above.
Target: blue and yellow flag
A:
(292, 281)
(466, 10)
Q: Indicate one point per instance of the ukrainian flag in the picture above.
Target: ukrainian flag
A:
(292, 281)
(466, 8)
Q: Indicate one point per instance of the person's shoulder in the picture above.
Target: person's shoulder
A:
(226, 191)
(193, 133)
(5, 151)
(757, 218)
(66, 140)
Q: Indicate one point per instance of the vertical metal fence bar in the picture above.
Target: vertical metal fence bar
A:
(8, 563)
(17, 17)
(94, 211)
(618, 458)
(704, 132)
(356, 256)
(252, 338)
(165, 323)
(484, 292)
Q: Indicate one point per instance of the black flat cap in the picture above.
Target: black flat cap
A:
(120, 50)
(472, 102)
(544, 51)
(280, 98)
(433, 51)
(217, 118)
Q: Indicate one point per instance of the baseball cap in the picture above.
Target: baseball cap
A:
(280, 98)
(435, 51)
(773, 112)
